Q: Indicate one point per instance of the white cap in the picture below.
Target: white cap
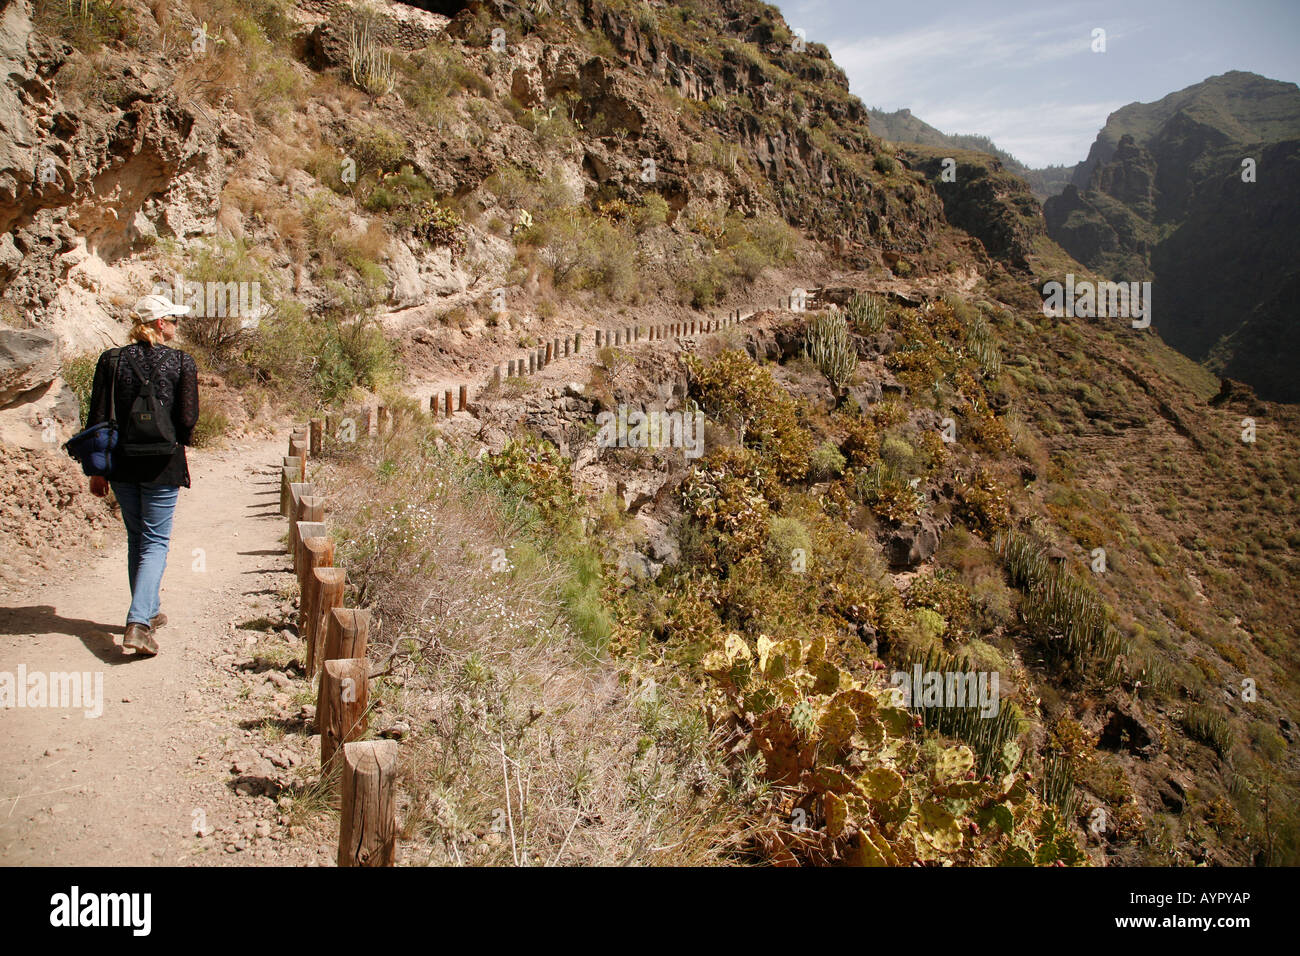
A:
(154, 307)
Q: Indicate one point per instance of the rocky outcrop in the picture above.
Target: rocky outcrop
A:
(37, 409)
(20, 92)
(85, 185)
(811, 183)
(984, 200)
(909, 545)
(29, 359)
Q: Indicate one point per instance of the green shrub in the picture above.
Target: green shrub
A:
(724, 496)
(377, 148)
(785, 536)
(943, 594)
(1210, 726)
(1061, 609)
(437, 225)
(340, 350)
(584, 251)
(211, 426)
(898, 455)
(827, 462)
(868, 313)
(708, 280)
(86, 24)
(652, 212)
(983, 502)
(79, 372)
(222, 339)
(889, 494)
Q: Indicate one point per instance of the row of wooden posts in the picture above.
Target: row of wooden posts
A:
(562, 347)
(380, 418)
(335, 639)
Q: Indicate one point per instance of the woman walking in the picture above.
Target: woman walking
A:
(152, 391)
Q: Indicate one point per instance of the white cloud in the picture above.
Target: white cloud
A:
(976, 75)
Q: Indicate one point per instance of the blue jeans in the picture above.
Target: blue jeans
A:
(147, 511)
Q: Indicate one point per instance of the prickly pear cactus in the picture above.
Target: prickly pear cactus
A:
(849, 770)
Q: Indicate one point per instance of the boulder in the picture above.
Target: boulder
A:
(29, 359)
(1125, 729)
(910, 544)
(45, 418)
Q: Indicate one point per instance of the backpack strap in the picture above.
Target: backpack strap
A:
(146, 380)
(116, 355)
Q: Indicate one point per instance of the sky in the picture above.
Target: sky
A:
(1024, 73)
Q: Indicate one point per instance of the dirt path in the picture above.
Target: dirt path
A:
(200, 738)
(566, 368)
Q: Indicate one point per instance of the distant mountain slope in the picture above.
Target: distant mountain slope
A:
(903, 127)
(1161, 196)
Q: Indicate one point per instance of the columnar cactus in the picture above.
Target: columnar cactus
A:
(828, 344)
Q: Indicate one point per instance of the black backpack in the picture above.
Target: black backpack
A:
(148, 429)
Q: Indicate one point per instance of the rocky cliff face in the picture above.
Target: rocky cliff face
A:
(983, 199)
(1164, 195)
(85, 183)
(771, 109)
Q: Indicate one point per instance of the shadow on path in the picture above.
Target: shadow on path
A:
(41, 619)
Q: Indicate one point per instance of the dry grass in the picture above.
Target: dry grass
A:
(527, 746)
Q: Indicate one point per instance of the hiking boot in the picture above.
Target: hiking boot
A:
(140, 638)
(157, 621)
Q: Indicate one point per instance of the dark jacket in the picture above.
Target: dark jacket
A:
(176, 383)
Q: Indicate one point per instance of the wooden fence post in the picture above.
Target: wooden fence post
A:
(311, 509)
(368, 825)
(496, 375)
(598, 338)
(314, 442)
(290, 471)
(385, 419)
(433, 404)
(302, 531)
(365, 422)
(577, 342)
(341, 702)
(446, 402)
(297, 491)
(330, 583)
(317, 552)
(347, 631)
(464, 397)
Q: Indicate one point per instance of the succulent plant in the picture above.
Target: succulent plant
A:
(842, 753)
(828, 344)
(1064, 610)
(372, 67)
(868, 312)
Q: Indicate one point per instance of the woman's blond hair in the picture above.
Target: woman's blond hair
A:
(144, 331)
